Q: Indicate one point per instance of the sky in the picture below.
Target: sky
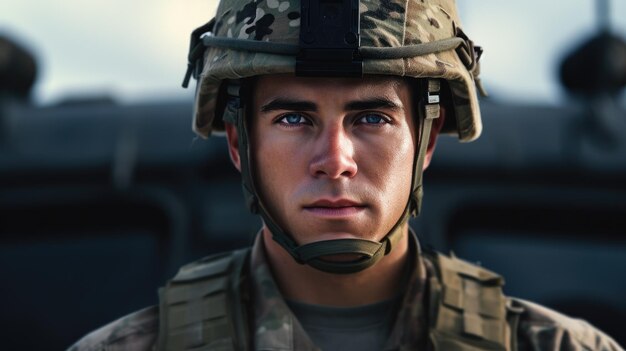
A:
(136, 50)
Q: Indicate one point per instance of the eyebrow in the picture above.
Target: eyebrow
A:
(288, 104)
(372, 104)
(304, 105)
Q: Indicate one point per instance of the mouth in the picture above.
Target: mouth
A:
(334, 208)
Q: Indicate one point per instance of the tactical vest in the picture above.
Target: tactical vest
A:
(205, 306)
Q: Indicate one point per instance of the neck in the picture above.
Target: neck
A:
(308, 285)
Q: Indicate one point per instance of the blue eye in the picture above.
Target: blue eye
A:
(372, 119)
(293, 119)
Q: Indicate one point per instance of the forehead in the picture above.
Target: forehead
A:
(284, 85)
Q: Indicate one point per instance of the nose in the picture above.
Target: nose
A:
(334, 155)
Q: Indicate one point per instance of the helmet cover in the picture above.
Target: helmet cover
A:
(383, 24)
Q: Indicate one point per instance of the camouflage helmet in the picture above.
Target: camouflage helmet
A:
(414, 38)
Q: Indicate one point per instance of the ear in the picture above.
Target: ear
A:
(434, 133)
(232, 138)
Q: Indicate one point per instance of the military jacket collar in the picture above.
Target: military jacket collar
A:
(276, 327)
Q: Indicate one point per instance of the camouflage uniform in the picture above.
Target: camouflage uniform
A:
(276, 328)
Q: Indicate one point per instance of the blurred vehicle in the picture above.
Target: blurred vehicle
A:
(100, 203)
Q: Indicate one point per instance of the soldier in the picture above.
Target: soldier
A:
(331, 110)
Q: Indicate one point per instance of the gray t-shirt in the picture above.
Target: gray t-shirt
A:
(363, 328)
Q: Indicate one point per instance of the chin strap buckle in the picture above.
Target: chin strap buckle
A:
(433, 99)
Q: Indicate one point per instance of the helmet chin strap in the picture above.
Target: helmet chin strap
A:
(369, 252)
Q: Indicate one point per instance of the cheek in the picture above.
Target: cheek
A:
(391, 166)
(278, 168)
(403, 165)
(279, 155)
(266, 156)
(267, 178)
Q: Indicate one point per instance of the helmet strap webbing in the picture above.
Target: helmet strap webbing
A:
(370, 252)
(428, 110)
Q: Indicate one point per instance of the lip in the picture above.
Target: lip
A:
(334, 208)
(334, 203)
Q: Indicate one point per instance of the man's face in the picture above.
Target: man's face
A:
(333, 156)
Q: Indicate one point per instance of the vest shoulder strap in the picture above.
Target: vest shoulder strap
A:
(468, 310)
(204, 306)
